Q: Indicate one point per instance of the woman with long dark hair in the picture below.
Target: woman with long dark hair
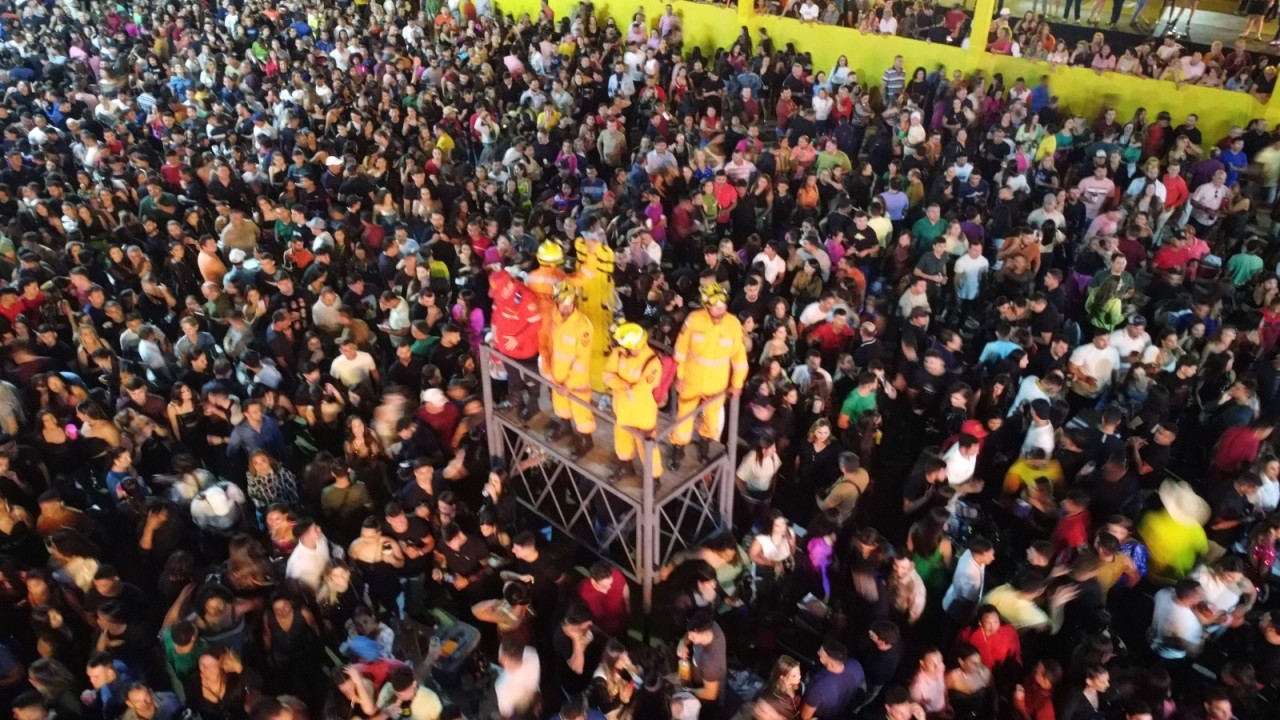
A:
(931, 548)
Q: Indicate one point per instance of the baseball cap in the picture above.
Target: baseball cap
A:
(333, 161)
(1137, 320)
(433, 396)
(236, 256)
(919, 312)
(1100, 153)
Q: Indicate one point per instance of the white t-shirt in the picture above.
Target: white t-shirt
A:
(960, 469)
(355, 371)
(814, 314)
(772, 268)
(1027, 391)
(1039, 436)
(1097, 364)
(1125, 344)
(809, 12)
(307, 566)
(517, 690)
(969, 272)
(1220, 596)
(1171, 621)
(1267, 498)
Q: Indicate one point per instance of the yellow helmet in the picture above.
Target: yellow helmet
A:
(713, 294)
(550, 254)
(566, 293)
(630, 336)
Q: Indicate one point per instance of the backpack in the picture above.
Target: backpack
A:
(662, 391)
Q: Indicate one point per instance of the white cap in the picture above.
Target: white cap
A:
(333, 161)
(433, 396)
(236, 256)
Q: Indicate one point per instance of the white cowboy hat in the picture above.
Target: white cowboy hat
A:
(1183, 504)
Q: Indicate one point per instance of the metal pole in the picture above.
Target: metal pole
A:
(645, 529)
(486, 383)
(731, 455)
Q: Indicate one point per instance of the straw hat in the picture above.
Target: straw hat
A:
(1183, 504)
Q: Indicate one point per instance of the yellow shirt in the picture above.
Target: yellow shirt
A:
(1016, 610)
(1174, 546)
(446, 144)
(1022, 475)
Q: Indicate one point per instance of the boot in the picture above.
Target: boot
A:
(528, 409)
(583, 444)
(677, 456)
(704, 449)
(558, 428)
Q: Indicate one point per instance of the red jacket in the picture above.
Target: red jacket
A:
(516, 320)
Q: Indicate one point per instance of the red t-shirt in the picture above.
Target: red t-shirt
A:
(609, 610)
(1072, 532)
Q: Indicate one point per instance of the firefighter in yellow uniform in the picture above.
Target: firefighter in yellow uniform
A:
(568, 368)
(632, 372)
(710, 360)
(594, 278)
(543, 282)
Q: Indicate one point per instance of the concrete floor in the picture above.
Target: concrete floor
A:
(1214, 20)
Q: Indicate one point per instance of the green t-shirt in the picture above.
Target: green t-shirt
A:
(857, 404)
(1242, 267)
(183, 664)
(923, 233)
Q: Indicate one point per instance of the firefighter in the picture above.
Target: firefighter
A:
(568, 368)
(594, 278)
(543, 282)
(632, 372)
(517, 324)
(710, 359)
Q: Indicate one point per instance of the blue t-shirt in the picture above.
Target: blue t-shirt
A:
(830, 695)
(1233, 160)
(895, 204)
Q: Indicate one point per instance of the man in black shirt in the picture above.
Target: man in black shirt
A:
(538, 570)
(406, 371)
(578, 647)
(753, 301)
(292, 300)
(447, 354)
(1191, 132)
(1232, 509)
(1046, 319)
(880, 656)
(465, 567)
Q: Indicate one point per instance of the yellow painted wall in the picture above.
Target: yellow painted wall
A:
(1079, 89)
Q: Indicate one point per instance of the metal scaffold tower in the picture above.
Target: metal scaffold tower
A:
(637, 523)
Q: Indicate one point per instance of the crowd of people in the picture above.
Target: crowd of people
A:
(1008, 375)
(1161, 58)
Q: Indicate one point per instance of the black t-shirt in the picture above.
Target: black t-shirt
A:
(575, 683)
(469, 560)
(1192, 134)
(1049, 321)
(1107, 497)
(545, 574)
(1157, 456)
(1229, 505)
(743, 307)
(1266, 660)
(864, 239)
(930, 388)
(130, 598)
(880, 666)
(413, 536)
